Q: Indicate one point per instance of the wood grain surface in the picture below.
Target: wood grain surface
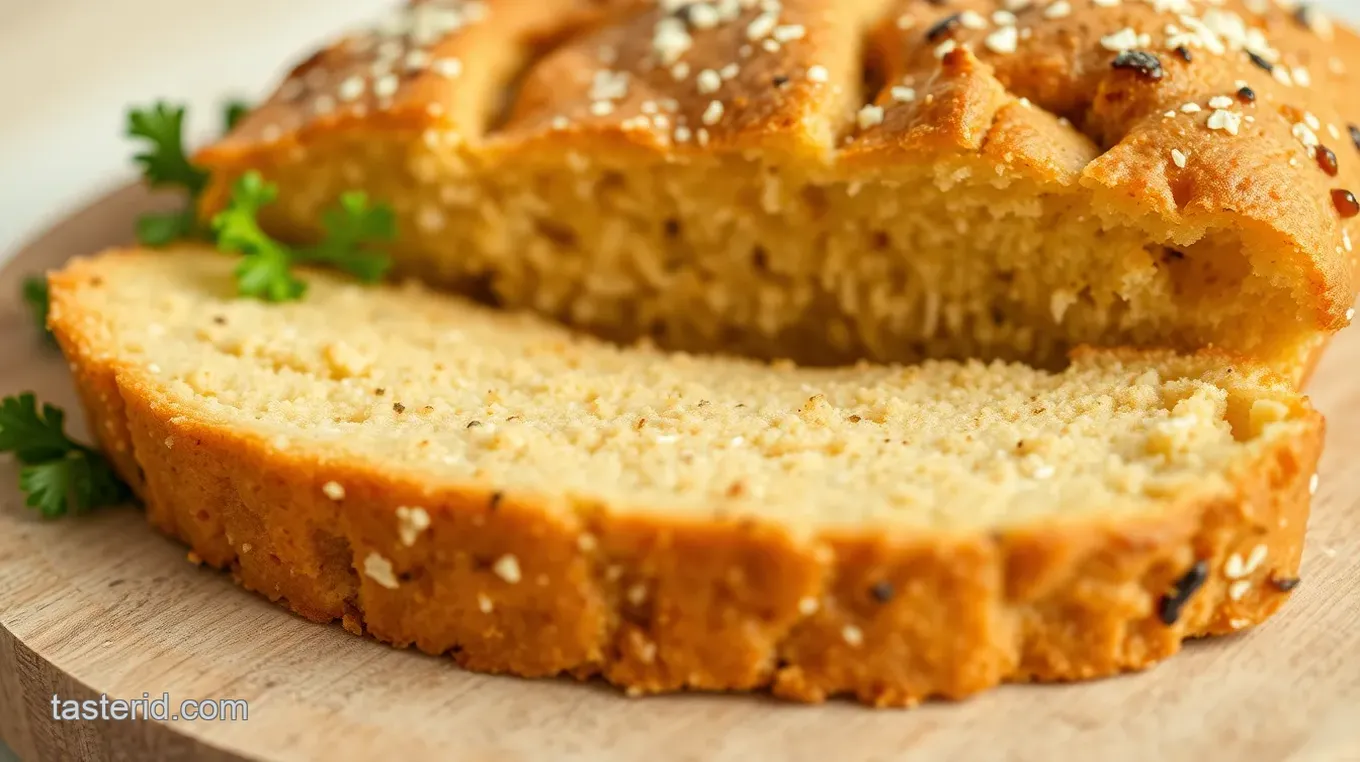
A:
(101, 604)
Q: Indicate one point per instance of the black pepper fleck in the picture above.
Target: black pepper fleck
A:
(474, 424)
(398, 407)
(1261, 62)
(1246, 95)
(1326, 160)
(1169, 610)
(1285, 584)
(943, 27)
(380, 391)
(1145, 64)
(1184, 53)
(882, 591)
(220, 320)
(780, 80)
(1355, 135)
(496, 498)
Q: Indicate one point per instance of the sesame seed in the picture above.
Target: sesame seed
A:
(708, 81)
(386, 86)
(379, 570)
(972, 20)
(713, 114)
(904, 94)
(586, 542)
(1124, 39)
(602, 108)
(484, 603)
(870, 116)
(1305, 135)
(1004, 40)
(808, 606)
(1228, 121)
(417, 59)
(1059, 10)
(324, 104)
(670, 40)
(682, 134)
(351, 88)
(680, 71)
(1179, 157)
(507, 568)
(1239, 589)
(560, 122)
(1256, 558)
(1350, 314)
(789, 32)
(1220, 101)
(730, 71)
(1191, 108)
(761, 26)
(1234, 568)
(333, 490)
(447, 67)
(818, 74)
(411, 521)
(945, 48)
(1313, 484)
(853, 635)
(1003, 18)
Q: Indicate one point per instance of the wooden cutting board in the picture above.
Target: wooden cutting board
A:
(100, 604)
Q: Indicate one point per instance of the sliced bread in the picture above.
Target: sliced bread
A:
(834, 180)
(536, 502)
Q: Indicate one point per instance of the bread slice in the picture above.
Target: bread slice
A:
(1026, 177)
(535, 502)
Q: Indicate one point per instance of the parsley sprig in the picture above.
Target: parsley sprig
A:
(351, 231)
(35, 297)
(165, 164)
(57, 475)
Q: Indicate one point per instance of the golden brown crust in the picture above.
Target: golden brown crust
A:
(653, 604)
(506, 88)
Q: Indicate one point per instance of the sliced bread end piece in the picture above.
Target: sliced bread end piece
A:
(535, 502)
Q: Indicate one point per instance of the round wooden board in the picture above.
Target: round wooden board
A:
(100, 604)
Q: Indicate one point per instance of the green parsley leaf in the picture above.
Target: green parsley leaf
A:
(233, 113)
(58, 475)
(165, 164)
(265, 271)
(164, 160)
(35, 296)
(155, 229)
(352, 229)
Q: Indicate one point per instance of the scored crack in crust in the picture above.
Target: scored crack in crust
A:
(830, 182)
(242, 442)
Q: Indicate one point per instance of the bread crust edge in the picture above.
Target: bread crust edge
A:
(654, 604)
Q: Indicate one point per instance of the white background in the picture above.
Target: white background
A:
(70, 68)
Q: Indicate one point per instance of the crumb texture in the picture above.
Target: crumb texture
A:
(537, 502)
(834, 181)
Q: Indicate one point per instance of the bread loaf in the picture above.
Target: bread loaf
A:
(833, 181)
(533, 502)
